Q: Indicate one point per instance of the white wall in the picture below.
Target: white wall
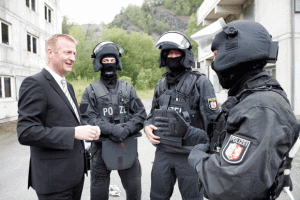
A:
(297, 65)
(15, 60)
(275, 15)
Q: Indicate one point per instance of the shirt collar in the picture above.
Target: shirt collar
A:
(57, 77)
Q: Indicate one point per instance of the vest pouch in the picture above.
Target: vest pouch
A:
(119, 156)
(166, 140)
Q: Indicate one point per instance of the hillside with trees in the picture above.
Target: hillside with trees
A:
(136, 29)
(155, 17)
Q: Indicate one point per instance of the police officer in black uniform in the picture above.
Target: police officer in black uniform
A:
(114, 106)
(190, 94)
(251, 138)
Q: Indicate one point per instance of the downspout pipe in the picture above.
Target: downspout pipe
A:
(293, 54)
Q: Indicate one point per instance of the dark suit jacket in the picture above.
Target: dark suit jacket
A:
(47, 124)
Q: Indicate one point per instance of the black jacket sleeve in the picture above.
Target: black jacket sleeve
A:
(35, 109)
(259, 134)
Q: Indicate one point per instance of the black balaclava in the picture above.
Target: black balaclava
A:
(226, 80)
(109, 73)
(174, 67)
(239, 84)
(229, 79)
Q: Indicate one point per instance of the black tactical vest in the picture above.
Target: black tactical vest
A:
(180, 98)
(113, 105)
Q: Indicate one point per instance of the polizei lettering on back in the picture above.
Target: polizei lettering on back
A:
(109, 111)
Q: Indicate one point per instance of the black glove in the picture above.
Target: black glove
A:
(119, 132)
(130, 126)
(197, 154)
(113, 138)
(171, 126)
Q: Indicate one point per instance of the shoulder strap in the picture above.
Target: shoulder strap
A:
(99, 89)
(124, 88)
(187, 82)
(161, 86)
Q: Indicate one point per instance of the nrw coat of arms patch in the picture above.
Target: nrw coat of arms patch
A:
(235, 149)
(212, 103)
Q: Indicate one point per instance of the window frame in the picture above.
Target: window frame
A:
(9, 30)
(31, 40)
(48, 17)
(31, 5)
(3, 87)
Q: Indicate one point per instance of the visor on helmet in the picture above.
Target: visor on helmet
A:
(174, 38)
(100, 46)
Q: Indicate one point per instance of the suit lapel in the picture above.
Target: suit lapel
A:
(58, 89)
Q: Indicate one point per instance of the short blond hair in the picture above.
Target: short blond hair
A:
(52, 41)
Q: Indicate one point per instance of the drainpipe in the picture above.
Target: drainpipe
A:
(293, 54)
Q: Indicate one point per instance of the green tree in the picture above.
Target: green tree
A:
(161, 27)
(143, 79)
(194, 5)
(125, 78)
(83, 66)
(66, 26)
(183, 7)
(138, 54)
(193, 28)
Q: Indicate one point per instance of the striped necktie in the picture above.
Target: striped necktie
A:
(66, 91)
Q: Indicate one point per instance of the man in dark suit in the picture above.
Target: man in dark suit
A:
(49, 122)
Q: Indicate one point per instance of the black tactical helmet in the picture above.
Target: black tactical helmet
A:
(104, 48)
(175, 40)
(242, 44)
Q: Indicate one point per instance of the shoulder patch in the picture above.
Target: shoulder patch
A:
(235, 149)
(212, 103)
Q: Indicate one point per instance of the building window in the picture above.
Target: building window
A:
(48, 12)
(5, 87)
(31, 4)
(4, 33)
(297, 6)
(31, 43)
(196, 65)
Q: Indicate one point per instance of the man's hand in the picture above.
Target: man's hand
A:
(87, 132)
(151, 137)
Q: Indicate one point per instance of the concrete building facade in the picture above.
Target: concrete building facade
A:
(25, 27)
(280, 17)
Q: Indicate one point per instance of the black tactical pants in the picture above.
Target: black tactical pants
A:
(100, 179)
(168, 167)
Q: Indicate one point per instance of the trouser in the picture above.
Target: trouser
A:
(168, 167)
(70, 194)
(100, 179)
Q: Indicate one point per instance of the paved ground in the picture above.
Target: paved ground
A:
(14, 161)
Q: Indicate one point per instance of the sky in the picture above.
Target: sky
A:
(94, 11)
